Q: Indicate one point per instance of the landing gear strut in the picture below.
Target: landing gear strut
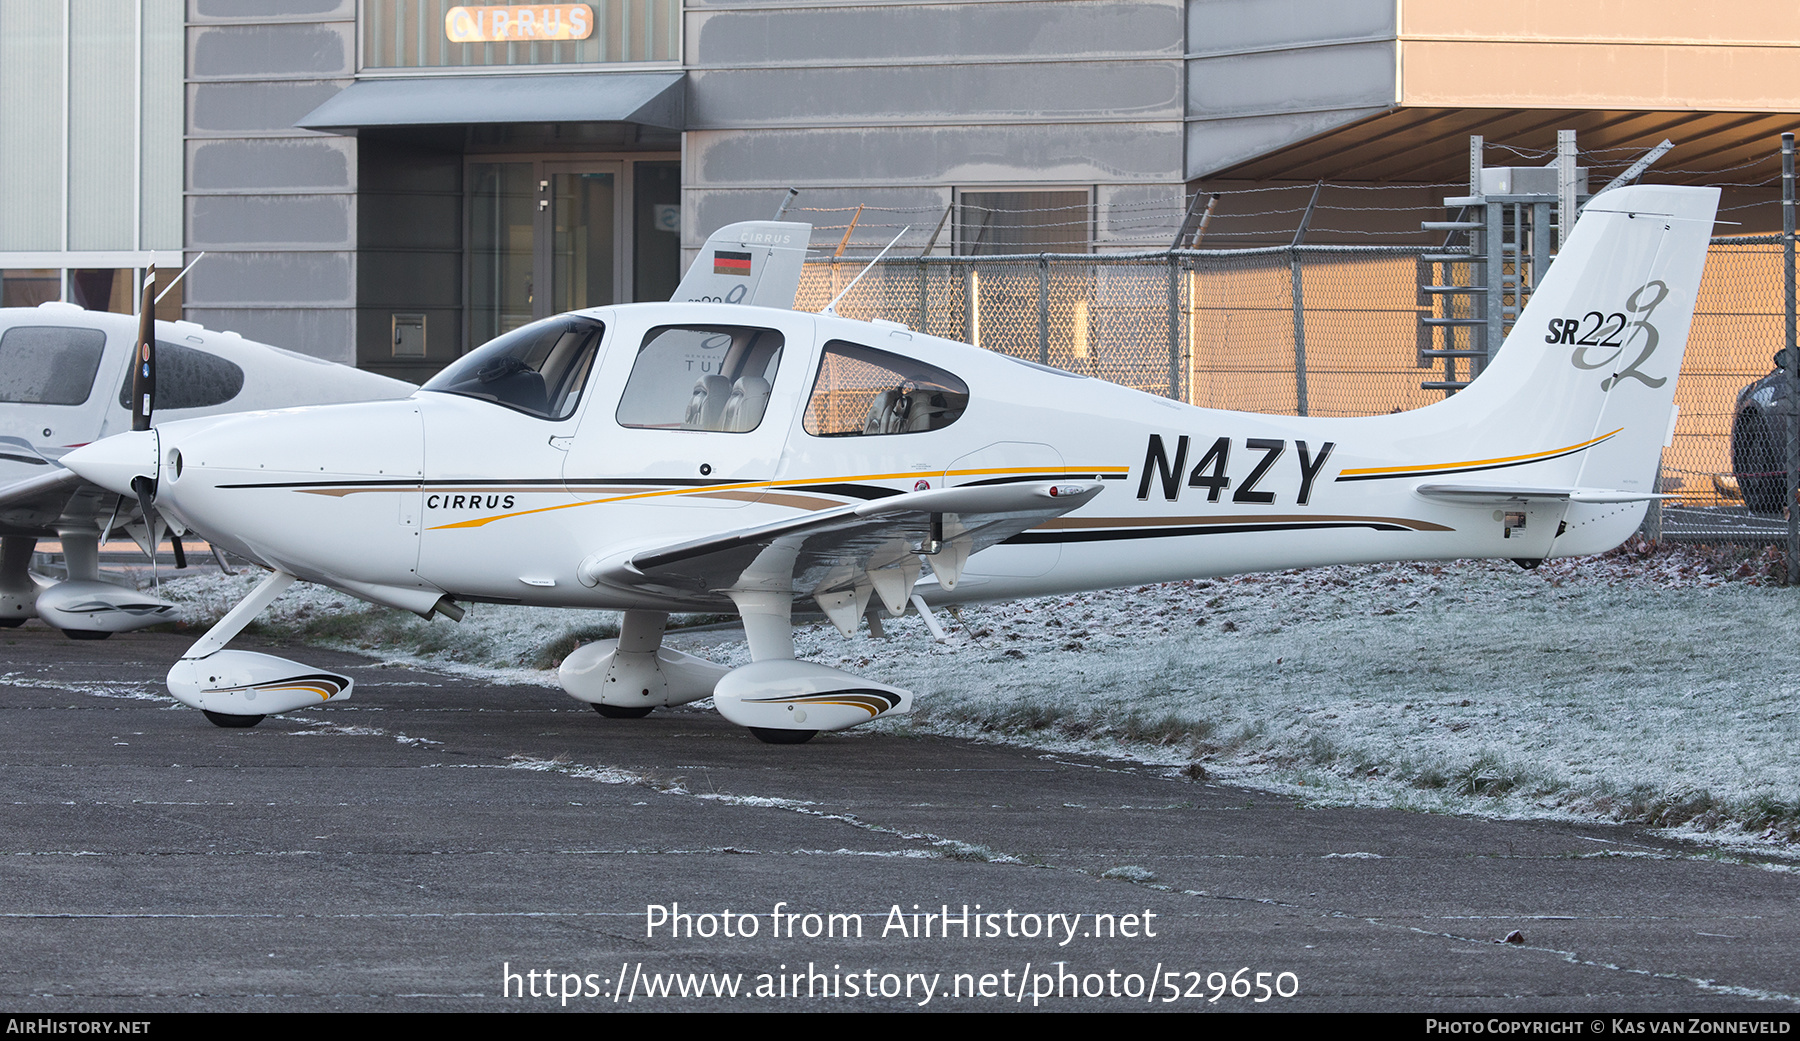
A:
(237, 689)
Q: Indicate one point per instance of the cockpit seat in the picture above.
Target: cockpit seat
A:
(885, 415)
(926, 410)
(706, 406)
(749, 399)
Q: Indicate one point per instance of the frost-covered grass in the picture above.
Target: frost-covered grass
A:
(1649, 685)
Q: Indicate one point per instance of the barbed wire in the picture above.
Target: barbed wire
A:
(973, 220)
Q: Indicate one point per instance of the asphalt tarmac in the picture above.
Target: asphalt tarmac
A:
(442, 844)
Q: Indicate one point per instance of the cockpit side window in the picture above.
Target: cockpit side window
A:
(702, 377)
(49, 364)
(861, 391)
(187, 378)
(538, 369)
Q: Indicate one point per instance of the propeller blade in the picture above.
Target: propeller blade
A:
(143, 362)
(180, 554)
(145, 487)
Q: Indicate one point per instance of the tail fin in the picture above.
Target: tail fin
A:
(1586, 378)
(753, 262)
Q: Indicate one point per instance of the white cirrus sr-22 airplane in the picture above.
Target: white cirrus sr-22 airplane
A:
(694, 456)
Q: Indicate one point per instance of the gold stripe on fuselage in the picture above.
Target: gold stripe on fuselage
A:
(1423, 469)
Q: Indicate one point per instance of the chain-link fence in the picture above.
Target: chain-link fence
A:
(1304, 330)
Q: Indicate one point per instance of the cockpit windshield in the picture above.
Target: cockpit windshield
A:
(538, 369)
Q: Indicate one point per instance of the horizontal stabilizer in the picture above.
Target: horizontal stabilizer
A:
(1507, 494)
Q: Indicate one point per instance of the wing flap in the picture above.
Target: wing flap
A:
(840, 550)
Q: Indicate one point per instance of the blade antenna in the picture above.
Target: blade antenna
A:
(831, 308)
(170, 288)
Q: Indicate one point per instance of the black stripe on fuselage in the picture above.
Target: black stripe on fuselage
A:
(848, 491)
(1028, 478)
(548, 483)
(1035, 538)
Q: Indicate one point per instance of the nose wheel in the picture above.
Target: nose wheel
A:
(622, 711)
(229, 721)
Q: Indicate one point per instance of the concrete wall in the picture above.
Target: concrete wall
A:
(896, 106)
(1658, 55)
(275, 208)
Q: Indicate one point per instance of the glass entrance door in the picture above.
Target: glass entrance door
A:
(583, 241)
(544, 238)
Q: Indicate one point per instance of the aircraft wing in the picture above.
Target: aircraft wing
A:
(839, 556)
(36, 502)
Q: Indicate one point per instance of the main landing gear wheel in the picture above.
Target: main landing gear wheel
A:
(11, 623)
(623, 711)
(86, 634)
(229, 721)
(772, 736)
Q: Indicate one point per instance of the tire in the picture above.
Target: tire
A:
(229, 721)
(1755, 451)
(11, 623)
(86, 634)
(772, 736)
(623, 711)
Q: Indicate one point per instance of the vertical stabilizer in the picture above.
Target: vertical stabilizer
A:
(1583, 389)
(754, 262)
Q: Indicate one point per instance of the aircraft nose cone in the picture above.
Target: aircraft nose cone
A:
(112, 462)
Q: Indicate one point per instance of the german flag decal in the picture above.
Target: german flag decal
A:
(731, 263)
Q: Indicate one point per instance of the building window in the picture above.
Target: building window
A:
(29, 287)
(991, 223)
(428, 34)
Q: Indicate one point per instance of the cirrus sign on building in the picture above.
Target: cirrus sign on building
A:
(519, 23)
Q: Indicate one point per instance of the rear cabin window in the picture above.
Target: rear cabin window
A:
(862, 391)
(187, 378)
(702, 377)
(49, 364)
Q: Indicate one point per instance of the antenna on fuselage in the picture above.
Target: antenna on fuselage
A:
(831, 308)
(170, 288)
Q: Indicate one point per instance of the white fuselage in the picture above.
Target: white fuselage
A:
(446, 494)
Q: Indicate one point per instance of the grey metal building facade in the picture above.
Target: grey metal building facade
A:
(370, 184)
(367, 191)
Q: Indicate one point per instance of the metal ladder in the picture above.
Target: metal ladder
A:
(1470, 294)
